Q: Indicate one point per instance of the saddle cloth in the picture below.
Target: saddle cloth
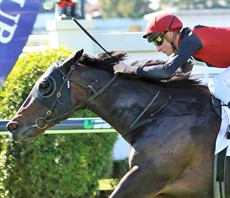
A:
(222, 142)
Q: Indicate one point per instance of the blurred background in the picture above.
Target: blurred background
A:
(64, 162)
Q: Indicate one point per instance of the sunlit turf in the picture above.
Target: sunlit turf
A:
(107, 184)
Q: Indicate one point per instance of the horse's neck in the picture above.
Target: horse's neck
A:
(125, 100)
(122, 103)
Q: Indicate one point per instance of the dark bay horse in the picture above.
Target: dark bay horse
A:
(171, 126)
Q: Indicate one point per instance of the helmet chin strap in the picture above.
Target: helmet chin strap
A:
(174, 47)
(171, 41)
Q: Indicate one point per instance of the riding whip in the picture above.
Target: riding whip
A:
(90, 36)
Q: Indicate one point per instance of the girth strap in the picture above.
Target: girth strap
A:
(221, 176)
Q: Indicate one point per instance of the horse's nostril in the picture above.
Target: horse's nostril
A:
(12, 126)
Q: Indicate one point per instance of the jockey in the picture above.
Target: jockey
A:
(201, 43)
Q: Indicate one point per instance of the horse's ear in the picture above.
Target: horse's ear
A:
(78, 55)
(73, 59)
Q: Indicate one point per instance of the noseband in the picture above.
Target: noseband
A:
(63, 91)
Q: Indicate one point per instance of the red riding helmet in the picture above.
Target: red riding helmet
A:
(163, 22)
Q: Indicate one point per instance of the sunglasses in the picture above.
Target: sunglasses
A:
(158, 40)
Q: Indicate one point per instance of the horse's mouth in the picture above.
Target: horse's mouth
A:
(25, 135)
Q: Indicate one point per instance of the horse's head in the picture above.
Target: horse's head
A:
(49, 102)
(63, 89)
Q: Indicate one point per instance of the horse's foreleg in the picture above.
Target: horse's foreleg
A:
(127, 185)
(136, 184)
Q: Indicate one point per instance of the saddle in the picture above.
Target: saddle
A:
(221, 169)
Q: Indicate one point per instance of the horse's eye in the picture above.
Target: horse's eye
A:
(44, 87)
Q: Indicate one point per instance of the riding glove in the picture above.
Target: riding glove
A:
(121, 67)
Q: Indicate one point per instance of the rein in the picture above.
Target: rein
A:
(137, 124)
(147, 107)
(42, 122)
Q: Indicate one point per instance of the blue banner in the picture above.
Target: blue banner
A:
(17, 18)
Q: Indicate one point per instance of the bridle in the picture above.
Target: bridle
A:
(63, 90)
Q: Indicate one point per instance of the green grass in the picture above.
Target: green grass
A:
(107, 184)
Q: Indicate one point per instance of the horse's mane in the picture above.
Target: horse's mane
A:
(106, 61)
(103, 60)
(184, 83)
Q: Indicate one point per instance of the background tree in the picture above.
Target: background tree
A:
(124, 8)
(194, 4)
(57, 166)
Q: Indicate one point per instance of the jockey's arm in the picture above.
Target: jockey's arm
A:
(165, 71)
(189, 45)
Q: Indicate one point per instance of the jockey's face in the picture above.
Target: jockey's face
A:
(166, 46)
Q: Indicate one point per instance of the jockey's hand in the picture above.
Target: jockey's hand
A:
(121, 67)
